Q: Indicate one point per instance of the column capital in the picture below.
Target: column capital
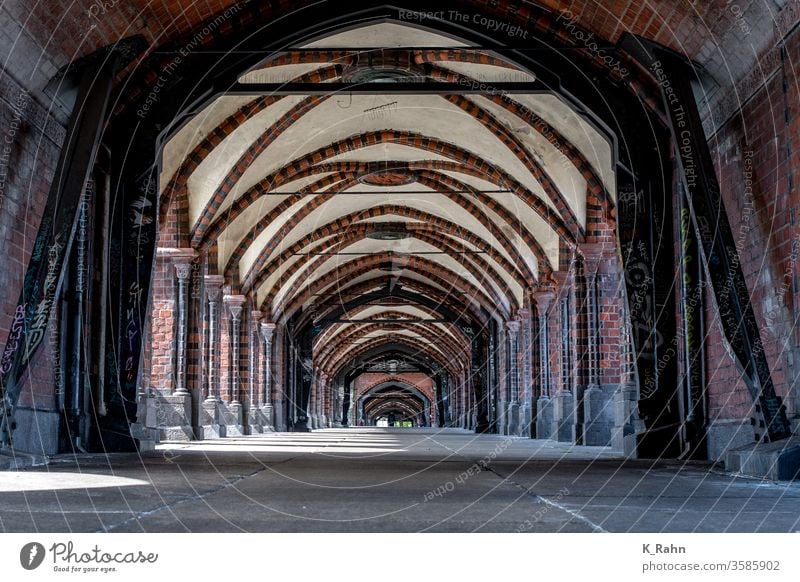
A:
(598, 257)
(257, 315)
(213, 284)
(513, 327)
(543, 299)
(234, 304)
(267, 329)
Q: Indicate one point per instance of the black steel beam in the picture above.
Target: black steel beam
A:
(421, 88)
(715, 234)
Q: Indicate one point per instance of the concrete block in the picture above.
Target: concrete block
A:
(563, 416)
(598, 415)
(36, 431)
(544, 418)
(727, 434)
(778, 461)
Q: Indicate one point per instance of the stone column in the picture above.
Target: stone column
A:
(513, 377)
(564, 401)
(255, 420)
(267, 331)
(233, 411)
(210, 421)
(526, 378)
(172, 414)
(544, 405)
(324, 400)
(594, 404)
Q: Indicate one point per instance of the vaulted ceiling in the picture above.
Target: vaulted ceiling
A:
(307, 202)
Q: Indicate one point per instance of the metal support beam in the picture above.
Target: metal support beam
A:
(403, 88)
(43, 277)
(715, 235)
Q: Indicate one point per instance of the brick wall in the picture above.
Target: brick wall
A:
(757, 155)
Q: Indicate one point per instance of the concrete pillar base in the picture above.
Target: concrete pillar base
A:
(544, 418)
(627, 424)
(231, 416)
(268, 416)
(777, 461)
(255, 421)
(563, 416)
(170, 416)
(598, 415)
(210, 427)
(513, 419)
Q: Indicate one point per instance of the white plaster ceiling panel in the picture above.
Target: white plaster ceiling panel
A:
(478, 183)
(385, 34)
(281, 73)
(337, 206)
(370, 246)
(577, 130)
(529, 220)
(246, 221)
(488, 73)
(208, 176)
(429, 115)
(561, 170)
(195, 130)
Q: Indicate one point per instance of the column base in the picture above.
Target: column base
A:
(255, 421)
(268, 416)
(513, 419)
(171, 416)
(563, 416)
(210, 427)
(627, 424)
(231, 417)
(544, 418)
(598, 415)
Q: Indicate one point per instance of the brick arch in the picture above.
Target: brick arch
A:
(363, 265)
(354, 235)
(320, 339)
(402, 404)
(210, 226)
(342, 222)
(340, 345)
(510, 141)
(450, 300)
(178, 184)
(389, 379)
(358, 330)
(402, 340)
(447, 185)
(259, 271)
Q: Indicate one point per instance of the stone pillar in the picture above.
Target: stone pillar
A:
(513, 377)
(267, 331)
(255, 420)
(598, 401)
(564, 402)
(234, 423)
(544, 406)
(526, 376)
(210, 413)
(171, 414)
(324, 400)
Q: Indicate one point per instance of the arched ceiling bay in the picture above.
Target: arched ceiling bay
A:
(381, 215)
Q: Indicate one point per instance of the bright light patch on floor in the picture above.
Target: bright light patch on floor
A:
(18, 481)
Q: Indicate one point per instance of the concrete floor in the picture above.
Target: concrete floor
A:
(398, 480)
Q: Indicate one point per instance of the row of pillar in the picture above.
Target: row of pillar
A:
(569, 406)
(202, 412)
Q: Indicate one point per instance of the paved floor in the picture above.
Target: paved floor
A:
(387, 480)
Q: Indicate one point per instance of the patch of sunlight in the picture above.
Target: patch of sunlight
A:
(18, 481)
